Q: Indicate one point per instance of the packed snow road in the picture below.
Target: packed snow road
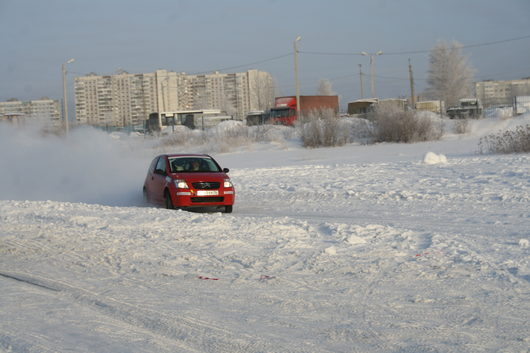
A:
(321, 255)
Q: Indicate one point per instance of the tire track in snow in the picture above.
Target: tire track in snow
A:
(191, 334)
(27, 280)
(27, 340)
(388, 270)
(12, 342)
(378, 337)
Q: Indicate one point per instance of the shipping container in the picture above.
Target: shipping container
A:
(284, 111)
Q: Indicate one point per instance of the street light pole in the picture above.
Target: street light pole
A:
(65, 96)
(361, 78)
(412, 93)
(297, 82)
(372, 69)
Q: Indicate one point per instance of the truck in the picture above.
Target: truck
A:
(467, 108)
(284, 111)
(430, 106)
(362, 106)
(365, 108)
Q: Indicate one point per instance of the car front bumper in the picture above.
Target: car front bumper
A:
(192, 198)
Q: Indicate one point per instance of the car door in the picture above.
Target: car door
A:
(158, 181)
(148, 183)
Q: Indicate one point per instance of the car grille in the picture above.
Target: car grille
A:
(206, 185)
(207, 199)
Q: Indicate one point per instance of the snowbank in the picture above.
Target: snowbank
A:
(433, 158)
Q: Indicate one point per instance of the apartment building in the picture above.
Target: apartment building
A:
(127, 99)
(45, 112)
(118, 100)
(501, 93)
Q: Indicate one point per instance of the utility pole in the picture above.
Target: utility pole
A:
(372, 69)
(361, 78)
(65, 95)
(297, 82)
(412, 93)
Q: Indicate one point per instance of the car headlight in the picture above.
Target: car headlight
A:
(181, 184)
(227, 183)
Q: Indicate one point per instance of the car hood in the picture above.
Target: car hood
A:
(192, 177)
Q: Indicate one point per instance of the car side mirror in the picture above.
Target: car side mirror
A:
(226, 170)
(160, 171)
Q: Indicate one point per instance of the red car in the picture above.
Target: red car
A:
(188, 180)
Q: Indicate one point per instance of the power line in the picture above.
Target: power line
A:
(227, 68)
(497, 42)
(484, 44)
(327, 53)
(423, 51)
(245, 65)
(412, 52)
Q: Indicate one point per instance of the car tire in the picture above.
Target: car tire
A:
(169, 202)
(145, 198)
(228, 209)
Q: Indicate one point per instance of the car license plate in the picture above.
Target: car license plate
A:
(207, 192)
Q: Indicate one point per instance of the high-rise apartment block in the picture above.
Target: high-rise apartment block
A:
(44, 111)
(126, 99)
(501, 93)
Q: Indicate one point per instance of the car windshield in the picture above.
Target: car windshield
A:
(193, 165)
(282, 112)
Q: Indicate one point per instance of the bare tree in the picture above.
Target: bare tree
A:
(394, 124)
(450, 74)
(324, 88)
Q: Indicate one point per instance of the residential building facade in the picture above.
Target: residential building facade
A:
(119, 100)
(501, 93)
(45, 112)
(127, 99)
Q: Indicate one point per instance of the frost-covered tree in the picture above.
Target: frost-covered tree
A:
(325, 89)
(450, 74)
(262, 90)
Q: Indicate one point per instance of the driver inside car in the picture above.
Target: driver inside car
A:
(195, 166)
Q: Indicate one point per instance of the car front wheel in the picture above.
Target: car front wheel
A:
(145, 197)
(228, 209)
(169, 202)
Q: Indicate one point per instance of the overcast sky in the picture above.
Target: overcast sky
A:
(196, 36)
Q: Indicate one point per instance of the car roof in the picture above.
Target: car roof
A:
(187, 155)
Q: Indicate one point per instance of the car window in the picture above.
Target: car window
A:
(153, 164)
(193, 164)
(161, 165)
(177, 164)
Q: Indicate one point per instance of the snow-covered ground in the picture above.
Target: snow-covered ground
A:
(362, 248)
